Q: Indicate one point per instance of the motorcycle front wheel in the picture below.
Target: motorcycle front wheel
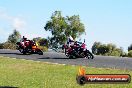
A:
(39, 52)
(89, 55)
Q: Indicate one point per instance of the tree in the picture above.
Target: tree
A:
(115, 53)
(37, 39)
(42, 43)
(61, 27)
(107, 49)
(130, 47)
(75, 27)
(1, 45)
(103, 49)
(56, 26)
(111, 47)
(8, 45)
(14, 37)
(130, 53)
(122, 53)
(95, 47)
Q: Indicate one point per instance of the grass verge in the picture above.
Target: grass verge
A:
(33, 74)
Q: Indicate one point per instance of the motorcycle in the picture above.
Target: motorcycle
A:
(78, 50)
(29, 47)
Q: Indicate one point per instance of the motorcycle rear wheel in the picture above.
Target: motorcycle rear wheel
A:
(72, 57)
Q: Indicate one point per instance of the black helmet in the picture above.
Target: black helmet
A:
(24, 38)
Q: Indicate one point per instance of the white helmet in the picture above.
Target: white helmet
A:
(70, 37)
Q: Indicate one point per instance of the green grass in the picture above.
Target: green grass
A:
(33, 74)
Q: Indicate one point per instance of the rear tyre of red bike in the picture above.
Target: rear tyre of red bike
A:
(40, 52)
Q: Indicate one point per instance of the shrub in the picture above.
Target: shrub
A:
(130, 53)
(43, 48)
(1, 45)
(124, 54)
(8, 45)
(115, 53)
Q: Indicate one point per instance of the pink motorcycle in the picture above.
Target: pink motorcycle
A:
(78, 50)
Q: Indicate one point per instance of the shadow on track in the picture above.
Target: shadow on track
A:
(14, 53)
(9, 53)
(54, 58)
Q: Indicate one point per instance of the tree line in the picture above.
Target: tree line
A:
(110, 50)
(16, 37)
(61, 27)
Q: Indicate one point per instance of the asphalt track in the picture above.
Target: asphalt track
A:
(54, 57)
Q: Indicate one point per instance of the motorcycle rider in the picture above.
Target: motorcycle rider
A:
(72, 44)
(23, 41)
(70, 41)
(77, 47)
(26, 43)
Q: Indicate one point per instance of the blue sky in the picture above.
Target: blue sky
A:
(107, 21)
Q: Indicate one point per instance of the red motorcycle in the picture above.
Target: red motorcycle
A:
(28, 47)
(78, 50)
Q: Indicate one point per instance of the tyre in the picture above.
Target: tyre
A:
(90, 55)
(21, 50)
(72, 57)
(40, 52)
(27, 51)
(66, 53)
(24, 52)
